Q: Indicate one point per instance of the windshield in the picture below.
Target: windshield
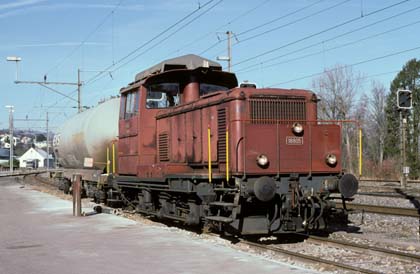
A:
(162, 95)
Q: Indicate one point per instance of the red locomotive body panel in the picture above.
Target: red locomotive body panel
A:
(159, 142)
(174, 140)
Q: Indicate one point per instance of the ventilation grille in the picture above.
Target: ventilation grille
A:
(273, 109)
(163, 147)
(221, 133)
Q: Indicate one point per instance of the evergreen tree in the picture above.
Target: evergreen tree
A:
(407, 78)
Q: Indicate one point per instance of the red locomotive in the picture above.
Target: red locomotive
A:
(195, 147)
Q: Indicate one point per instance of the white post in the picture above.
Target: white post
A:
(11, 140)
(48, 145)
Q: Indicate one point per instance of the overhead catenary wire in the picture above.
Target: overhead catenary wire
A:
(292, 13)
(253, 67)
(292, 22)
(346, 66)
(72, 52)
(168, 36)
(363, 79)
(320, 32)
(201, 38)
(275, 20)
(88, 36)
(148, 42)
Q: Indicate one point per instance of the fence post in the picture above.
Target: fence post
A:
(77, 191)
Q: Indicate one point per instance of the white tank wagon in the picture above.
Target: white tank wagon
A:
(87, 135)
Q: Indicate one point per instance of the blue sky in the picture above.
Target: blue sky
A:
(276, 43)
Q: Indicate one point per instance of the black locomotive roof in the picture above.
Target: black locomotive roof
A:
(189, 61)
(215, 77)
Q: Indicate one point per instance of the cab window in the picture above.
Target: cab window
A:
(208, 88)
(130, 105)
(163, 95)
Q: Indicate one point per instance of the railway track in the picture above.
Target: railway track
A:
(310, 258)
(387, 210)
(346, 245)
(388, 181)
(391, 195)
(40, 179)
(378, 250)
(22, 173)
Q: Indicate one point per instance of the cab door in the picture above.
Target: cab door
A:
(128, 133)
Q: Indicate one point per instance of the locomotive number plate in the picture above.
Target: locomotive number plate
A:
(294, 140)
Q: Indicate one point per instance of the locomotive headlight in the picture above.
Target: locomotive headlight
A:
(331, 159)
(297, 128)
(262, 160)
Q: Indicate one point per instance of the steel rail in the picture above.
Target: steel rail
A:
(387, 210)
(311, 258)
(35, 177)
(379, 180)
(383, 251)
(22, 173)
(390, 195)
(387, 180)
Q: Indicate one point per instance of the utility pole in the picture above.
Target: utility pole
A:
(229, 51)
(48, 144)
(405, 170)
(79, 86)
(229, 35)
(404, 105)
(11, 139)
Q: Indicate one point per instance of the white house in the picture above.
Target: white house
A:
(34, 158)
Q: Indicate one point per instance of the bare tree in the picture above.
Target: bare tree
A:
(377, 122)
(338, 88)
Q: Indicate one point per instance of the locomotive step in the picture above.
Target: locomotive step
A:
(222, 204)
(219, 219)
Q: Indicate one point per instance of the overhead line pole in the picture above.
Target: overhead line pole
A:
(229, 51)
(229, 35)
(48, 144)
(11, 138)
(79, 85)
